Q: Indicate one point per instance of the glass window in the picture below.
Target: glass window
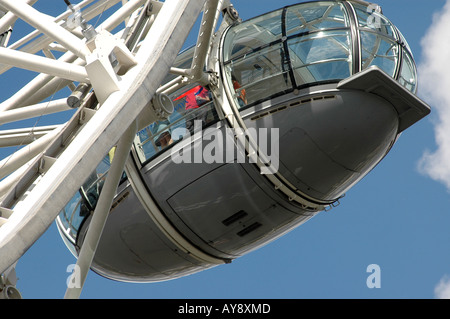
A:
(245, 37)
(310, 17)
(191, 103)
(260, 63)
(321, 56)
(193, 109)
(408, 73)
(72, 216)
(374, 21)
(317, 46)
(84, 201)
(380, 51)
(260, 74)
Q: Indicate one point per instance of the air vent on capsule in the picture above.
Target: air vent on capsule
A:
(249, 229)
(234, 218)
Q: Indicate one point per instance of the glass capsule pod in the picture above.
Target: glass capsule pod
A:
(328, 86)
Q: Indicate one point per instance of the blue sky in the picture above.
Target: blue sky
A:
(397, 217)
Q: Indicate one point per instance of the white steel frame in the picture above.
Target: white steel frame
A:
(39, 179)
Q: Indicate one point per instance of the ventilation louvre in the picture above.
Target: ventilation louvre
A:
(249, 229)
(234, 218)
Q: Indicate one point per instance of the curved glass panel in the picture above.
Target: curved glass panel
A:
(160, 135)
(72, 216)
(84, 201)
(408, 73)
(374, 21)
(193, 105)
(286, 49)
(380, 51)
(316, 16)
(379, 45)
(245, 37)
(321, 56)
(251, 75)
(404, 42)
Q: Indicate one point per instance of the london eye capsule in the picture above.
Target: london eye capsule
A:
(299, 105)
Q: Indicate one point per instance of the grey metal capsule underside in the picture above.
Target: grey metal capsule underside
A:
(328, 142)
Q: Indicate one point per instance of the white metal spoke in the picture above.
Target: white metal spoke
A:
(118, 17)
(43, 65)
(19, 158)
(46, 25)
(33, 42)
(28, 94)
(33, 111)
(9, 182)
(101, 211)
(10, 18)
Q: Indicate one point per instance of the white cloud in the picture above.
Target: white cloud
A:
(442, 289)
(434, 88)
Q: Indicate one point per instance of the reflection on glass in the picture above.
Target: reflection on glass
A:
(380, 51)
(375, 21)
(253, 72)
(311, 17)
(408, 74)
(243, 38)
(192, 105)
(310, 43)
(298, 51)
(321, 56)
(71, 216)
(85, 199)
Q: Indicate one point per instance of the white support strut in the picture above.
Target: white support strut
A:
(101, 212)
(45, 24)
(33, 110)
(210, 18)
(37, 211)
(22, 156)
(43, 65)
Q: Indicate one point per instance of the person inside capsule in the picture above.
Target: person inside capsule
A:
(194, 99)
(240, 92)
(164, 138)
